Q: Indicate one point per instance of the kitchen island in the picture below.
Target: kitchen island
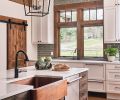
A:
(76, 80)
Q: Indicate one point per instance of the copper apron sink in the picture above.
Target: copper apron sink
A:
(46, 88)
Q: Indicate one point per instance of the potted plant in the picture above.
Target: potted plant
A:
(111, 53)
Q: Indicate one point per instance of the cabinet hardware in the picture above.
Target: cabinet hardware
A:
(74, 80)
(95, 64)
(97, 81)
(117, 66)
(116, 88)
(117, 76)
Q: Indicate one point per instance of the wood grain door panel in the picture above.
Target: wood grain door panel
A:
(16, 41)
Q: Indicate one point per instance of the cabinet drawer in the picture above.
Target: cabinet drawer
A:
(113, 87)
(113, 75)
(96, 86)
(114, 67)
(96, 71)
(69, 79)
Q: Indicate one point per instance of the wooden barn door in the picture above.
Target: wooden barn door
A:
(16, 38)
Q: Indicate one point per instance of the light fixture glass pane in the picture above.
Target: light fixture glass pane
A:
(99, 14)
(93, 14)
(86, 15)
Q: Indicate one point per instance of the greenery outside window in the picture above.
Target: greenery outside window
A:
(68, 41)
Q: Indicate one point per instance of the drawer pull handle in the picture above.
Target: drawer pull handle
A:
(95, 64)
(74, 80)
(116, 88)
(95, 81)
(116, 76)
(117, 66)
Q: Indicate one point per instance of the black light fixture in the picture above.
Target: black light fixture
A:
(39, 8)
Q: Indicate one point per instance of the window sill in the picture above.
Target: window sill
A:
(86, 58)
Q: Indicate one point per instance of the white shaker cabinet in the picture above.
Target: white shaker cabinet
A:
(110, 25)
(110, 3)
(36, 30)
(111, 21)
(43, 28)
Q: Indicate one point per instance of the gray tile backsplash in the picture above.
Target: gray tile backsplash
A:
(59, 2)
(45, 50)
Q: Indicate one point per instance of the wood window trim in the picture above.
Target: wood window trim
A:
(80, 24)
(84, 5)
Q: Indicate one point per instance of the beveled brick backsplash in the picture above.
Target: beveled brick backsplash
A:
(44, 50)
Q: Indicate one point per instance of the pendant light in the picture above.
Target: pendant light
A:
(39, 8)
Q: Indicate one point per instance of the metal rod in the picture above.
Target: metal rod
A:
(10, 22)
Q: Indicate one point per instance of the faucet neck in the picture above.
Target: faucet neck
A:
(16, 61)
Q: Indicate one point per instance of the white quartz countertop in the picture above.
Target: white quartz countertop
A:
(86, 61)
(31, 72)
(11, 89)
(7, 90)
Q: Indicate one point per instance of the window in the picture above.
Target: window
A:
(68, 16)
(93, 41)
(79, 30)
(93, 14)
(68, 41)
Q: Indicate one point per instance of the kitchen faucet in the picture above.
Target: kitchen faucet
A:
(16, 61)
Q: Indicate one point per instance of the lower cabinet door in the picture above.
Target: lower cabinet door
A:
(113, 87)
(10, 98)
(96, 86)
(21, 96)
(73, 90)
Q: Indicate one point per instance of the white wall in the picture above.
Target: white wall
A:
(11, 9)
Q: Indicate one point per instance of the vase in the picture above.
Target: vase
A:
(111, 58)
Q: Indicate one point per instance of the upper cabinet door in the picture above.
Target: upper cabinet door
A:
(36, 29)
(110, 3)
(43, 28)
(109, 25)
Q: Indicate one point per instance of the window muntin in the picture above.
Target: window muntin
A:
(68, 41)
(93, 41)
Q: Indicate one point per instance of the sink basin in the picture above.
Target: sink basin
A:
(46, 88)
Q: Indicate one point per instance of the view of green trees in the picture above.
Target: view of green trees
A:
(93, 41)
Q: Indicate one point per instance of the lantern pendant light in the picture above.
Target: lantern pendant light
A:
(39, 8)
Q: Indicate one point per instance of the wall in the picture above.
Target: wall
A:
(11, 9)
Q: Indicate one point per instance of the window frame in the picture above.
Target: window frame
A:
(80, 24)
